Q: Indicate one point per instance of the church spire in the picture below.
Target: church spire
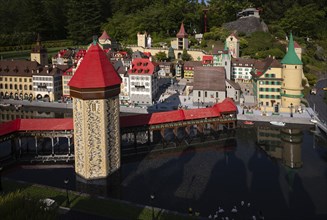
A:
(182, 33)
(291, 57)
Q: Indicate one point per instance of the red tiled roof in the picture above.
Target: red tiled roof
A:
(201, 113)
(95, 71)
(48, 124)
(142, 66)
(182, 33)
(233, 35)
(227, 105)
(68, 72)
(104, 36)
(9, 127)
(296, 45)
(207, 59)
(178, 115)
(59, 124)
(164, 117)
(148, 54)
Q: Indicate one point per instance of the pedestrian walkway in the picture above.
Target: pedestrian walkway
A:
(257, 115)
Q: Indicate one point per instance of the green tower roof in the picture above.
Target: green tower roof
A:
(291, 57)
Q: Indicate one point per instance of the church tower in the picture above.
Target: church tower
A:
(182, 38)
(95, 89)
(233, 44)
(292, 68)
(39, 53)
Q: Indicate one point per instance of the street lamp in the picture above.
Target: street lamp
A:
(152, 198)
(67, 197)
(291, 107)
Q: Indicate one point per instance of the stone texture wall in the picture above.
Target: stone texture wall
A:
(96, 137)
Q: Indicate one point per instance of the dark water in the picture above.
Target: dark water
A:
(282, 173)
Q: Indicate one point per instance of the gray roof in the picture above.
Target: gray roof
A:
(18, 68)
(233, 84)
(209, 78)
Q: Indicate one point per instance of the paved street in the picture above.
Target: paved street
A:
(317, 101)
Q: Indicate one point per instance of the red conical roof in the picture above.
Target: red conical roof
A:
(182, 33)
(104, 36)
(95, 71)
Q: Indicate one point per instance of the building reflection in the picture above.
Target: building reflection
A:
(283, 144)
(13, 112)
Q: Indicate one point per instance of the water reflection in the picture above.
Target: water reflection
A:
(11, 113)
(281, 144)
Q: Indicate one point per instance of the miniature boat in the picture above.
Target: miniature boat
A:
(314, 121)
(278, 123)
(248, 122)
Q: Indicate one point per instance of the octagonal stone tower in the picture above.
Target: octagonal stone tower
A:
(95, 89)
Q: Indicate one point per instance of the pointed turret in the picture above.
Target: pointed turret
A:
(182, 33)
(39, 53)
(182, 40)
(291, 57)
(104, 36)
(95, 72)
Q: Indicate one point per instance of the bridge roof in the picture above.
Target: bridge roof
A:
(39, 124)
(60, 124)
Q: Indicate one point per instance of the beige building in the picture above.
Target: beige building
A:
(16, 78)
(267, 82)
(278, 86)
(233, 45)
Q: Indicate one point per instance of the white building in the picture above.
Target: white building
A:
(143, 81)
(47, 83)
(241, 69)
(209, 85)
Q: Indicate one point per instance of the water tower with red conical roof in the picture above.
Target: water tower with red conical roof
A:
(95, 89)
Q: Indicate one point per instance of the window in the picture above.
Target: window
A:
(216, 94)
(205, 94)
(199, 93)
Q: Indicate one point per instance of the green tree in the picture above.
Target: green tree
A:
(161, 56)
(83, 20)
(304, 21)
(171, 54)
(186, 56)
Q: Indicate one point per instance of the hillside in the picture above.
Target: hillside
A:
(246, 25)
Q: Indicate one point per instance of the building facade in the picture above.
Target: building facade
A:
(143, 81)
(241, 69)
(267, 82)
(209, 85)
(189, 68)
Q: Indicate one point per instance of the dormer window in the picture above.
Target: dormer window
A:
(231, 38)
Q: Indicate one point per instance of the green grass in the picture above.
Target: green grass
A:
(84, 203)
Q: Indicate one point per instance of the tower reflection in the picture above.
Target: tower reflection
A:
(282, 144)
